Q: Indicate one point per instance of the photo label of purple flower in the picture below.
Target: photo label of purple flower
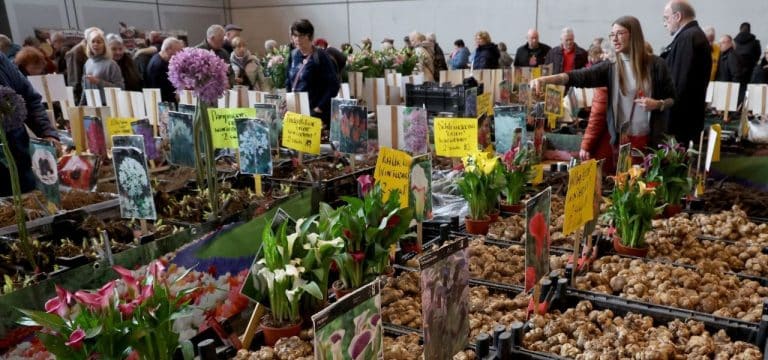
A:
(414, 127)
(144, 128)
(351, 329)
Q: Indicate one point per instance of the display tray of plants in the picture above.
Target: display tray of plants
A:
(191, 206)
(35, 205)
(723, 196)
(166, 179)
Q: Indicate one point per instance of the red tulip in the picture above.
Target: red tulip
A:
(76, 339)
(393, 221)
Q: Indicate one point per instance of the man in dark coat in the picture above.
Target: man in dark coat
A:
(440, 63)
(747, 49)
(532, 53)
(729, 66)
(689, 58)
(214, 41)
(567, 56)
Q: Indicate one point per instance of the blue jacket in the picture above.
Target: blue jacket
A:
(318, 78)
(460, 60)
(37, 118)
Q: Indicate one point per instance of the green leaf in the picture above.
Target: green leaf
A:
(93, 332)
(43, 319)
(312, 289)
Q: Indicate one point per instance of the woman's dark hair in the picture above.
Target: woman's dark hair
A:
(303, 27)
(459, 43)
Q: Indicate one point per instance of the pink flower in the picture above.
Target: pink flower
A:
(365, 182)
(98, 300)
(156, 268)
(60, 304)
(128, 278)
(146, 293)
(126, 310)
(357, 256)
(76, 339)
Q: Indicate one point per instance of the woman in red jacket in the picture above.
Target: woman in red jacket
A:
(596, 143)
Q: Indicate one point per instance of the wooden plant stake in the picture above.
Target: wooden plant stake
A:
(419, 236)
(536, 295)
(253, 325)
(144, 227)
(107, 248)
(257, 184)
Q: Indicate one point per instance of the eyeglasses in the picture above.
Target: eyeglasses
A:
(617, 34)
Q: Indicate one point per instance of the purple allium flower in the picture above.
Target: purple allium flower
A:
(13, 109)
(200, 71)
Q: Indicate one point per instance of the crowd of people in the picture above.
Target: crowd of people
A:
(639, 95)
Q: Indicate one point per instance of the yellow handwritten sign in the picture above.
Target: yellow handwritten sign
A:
(301, 132)
(580, 197)
(538, 174)
(699, 188)
(484, 104)
(393, 171)
(455, 137)
(223, 125)
(716, 153)
(536, 72)
(118, 126)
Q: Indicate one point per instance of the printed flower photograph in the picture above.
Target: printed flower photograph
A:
(336, 104)
(445, 306)
(354, 130)
(537, 240)
(509, 125)
(133, 184)
(415, 128)
(268, 113)
(94, 133)
(355, 335)
(180, 127)
(255, 154)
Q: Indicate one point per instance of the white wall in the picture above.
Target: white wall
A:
(194, 16)
(507, 20)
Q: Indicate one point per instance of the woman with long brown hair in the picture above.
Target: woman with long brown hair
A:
(640, 88)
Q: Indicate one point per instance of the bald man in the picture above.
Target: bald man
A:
(533, 52)
(689, 58)
(567, 56)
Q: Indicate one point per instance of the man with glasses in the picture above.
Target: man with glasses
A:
(690, 62)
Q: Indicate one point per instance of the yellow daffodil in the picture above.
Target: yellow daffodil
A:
(470, 168)
(635, 172)
(644, 189)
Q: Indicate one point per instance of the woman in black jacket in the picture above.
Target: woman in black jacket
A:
(760, 72)
(640, 88)
(487, 53)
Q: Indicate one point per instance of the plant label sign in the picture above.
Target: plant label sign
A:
(393, 170)
(353, 137)
(420, 194)
(403, 128)
(484, 104)
(134, 189)
(301, 133)
(455, 137)
(118, 126)
(255, 154)
(713, 146)
(580, 196)
(144, 128)
(180, 137)
(44, 167)
(509, 124)
(336, 103)
(625, 159)
(351, 328)
(223, 125)
(537, 215)
(444, 299)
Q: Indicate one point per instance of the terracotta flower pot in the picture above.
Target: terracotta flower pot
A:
(494, 215)
(627, 250)
(672, 210)
(477, 227)
(273, 334)
(511, 208)
(339, 290)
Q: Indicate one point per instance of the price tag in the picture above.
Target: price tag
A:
(455, 137)
(118, 126)
(301, 132)
(484, 104)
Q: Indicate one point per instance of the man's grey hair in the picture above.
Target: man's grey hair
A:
(566, 31)
(431, 37)
(170, 41)
(214, 30)
(113, 38)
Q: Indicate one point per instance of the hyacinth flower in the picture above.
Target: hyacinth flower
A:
(206, 75)
(13, 113)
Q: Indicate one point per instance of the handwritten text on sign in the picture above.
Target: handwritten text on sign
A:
(484, 104)
(223, 125)
(580, 197)
(118, 126)
(301, 133)
(455, 137)
(393, 170)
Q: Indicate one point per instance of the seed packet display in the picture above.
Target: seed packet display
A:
(143, 128)
(509, 124)
(133, 185)
(79, 171)
(351, 328)
(182, 145)
(537, 215)
(445, 300)
(94, 132)
(420, 188)
(44, 167)
(354, 129)
(255, 154)
(268, 113)
(336, 103)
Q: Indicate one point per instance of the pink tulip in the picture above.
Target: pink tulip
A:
(76, 339)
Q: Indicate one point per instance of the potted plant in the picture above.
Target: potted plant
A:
(279, 276)
(631, 209)
(318, 249)
(670, 164)
(517, 172)
(370, 227)
(130, 316)
(481, 179)
(275, 66)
